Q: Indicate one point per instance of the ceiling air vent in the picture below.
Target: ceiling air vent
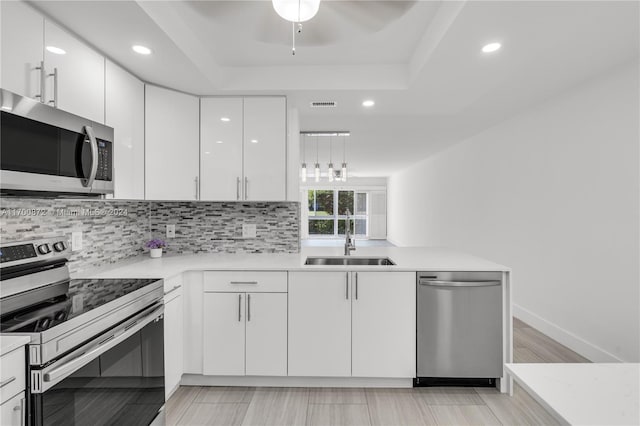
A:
(324, 104)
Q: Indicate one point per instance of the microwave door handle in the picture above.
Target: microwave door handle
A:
(91, 139)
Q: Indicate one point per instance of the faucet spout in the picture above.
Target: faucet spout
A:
(349, 244)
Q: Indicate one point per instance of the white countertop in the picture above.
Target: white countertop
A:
(406, 259)
(9, 343)
(584, 394)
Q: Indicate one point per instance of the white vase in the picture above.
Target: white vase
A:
(157, 252)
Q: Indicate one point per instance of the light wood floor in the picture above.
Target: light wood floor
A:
(388, 407)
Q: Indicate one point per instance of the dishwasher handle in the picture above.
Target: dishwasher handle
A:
(441, 283)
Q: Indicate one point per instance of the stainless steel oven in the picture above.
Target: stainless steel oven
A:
(96, 355)
(44, 149)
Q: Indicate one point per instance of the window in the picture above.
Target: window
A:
(328, 212)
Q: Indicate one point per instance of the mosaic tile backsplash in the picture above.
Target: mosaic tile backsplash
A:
(114, 230)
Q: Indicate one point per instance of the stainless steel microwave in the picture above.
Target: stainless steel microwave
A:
(47, 150)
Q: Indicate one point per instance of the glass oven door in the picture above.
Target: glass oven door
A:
(116, 379)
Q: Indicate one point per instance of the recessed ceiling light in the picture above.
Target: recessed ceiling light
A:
(368, 103)
(254, 140)
(56, 50)
(143, 50)
(218, 141)
(491, 47)
(225, 119)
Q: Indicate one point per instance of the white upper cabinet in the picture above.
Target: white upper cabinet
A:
(243, 148)
(78, 83)
(124, 111)
(22, 50)
(265, 155)
(221, 148)
(171, 145)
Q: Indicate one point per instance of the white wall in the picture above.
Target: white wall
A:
(554, 194)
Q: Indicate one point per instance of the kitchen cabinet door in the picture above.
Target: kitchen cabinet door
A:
(80, 74)
(266, 338)
(265, 153)
(12, 412)
(319, 324)
(221, 148)
(224, 334)
(384, 324)
(22, 34)
(171, 145)
(173, 344)
(125, 113)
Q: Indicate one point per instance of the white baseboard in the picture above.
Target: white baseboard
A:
(295, 382)
(567, 338)
(392, 241)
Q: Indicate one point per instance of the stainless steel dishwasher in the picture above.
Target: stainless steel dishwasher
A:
(459, 326)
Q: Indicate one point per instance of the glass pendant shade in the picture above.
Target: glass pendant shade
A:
(330, 172)
(343, 173)
(317, 172)
(296, 10)
(303, 172)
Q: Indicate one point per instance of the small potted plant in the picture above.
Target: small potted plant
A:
(155, 247)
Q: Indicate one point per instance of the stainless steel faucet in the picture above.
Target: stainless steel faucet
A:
(349, 245)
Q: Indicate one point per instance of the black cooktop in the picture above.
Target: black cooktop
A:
(71, 299)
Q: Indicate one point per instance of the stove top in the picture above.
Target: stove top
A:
(71, 299)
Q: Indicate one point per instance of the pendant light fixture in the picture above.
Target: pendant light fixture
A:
(303, 169)
(343, 172)
(317, 167)
(330, 159)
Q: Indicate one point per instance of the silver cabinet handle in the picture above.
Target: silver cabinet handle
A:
(54, 74)
(197, 188)
(172, 290)
(238, 188)
(356, 286)
(346, 285)
(248, 307)
(21, 408)
(440, 283)
(6, 382)
(239, 307)
(243, 282)
(246, 188)
(42, 81)
(91, 139)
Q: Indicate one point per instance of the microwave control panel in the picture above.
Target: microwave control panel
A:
(105, 160)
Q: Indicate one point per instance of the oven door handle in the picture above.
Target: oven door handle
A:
(92, 351)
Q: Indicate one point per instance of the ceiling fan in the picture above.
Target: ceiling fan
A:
(327, 21)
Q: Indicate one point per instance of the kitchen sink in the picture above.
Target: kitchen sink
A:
(346, 261)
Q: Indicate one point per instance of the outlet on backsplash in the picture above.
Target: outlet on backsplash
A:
(171, 231)
(76, 241)
(248, 230)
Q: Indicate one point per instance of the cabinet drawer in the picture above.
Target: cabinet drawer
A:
(172, 287)
(12, 374)
(246, 281)
(12, 412)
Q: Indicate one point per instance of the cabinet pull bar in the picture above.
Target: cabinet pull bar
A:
(197, 188)
(42, 81)
(54, 101)
(239, 307)
(6, 382)
(356, 286)
(243, 282)
(21, 409)
(346, 285)
(238, 188)
(172, 290)
(248, 307)
(246, 188)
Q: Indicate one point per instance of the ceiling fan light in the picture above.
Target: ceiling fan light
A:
(296, 10)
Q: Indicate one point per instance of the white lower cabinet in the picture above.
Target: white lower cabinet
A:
(359, 324)
(173, 341)
(319, 324)
(12, 412)
(244, 334)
